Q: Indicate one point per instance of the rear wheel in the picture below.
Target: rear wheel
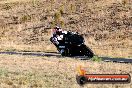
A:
(87, 51)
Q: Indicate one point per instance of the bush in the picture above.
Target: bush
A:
(57, 17)
(58, 20)
(25, 18)
(61, 9)
(96, 58)
(7, 7)
(3, 72)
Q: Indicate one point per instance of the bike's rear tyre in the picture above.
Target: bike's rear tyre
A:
(87, 51)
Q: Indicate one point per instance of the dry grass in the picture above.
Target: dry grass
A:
(22, 47)
(24, 24)
(11, 1)
(18, 71)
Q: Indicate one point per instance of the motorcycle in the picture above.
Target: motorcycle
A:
(72, 44)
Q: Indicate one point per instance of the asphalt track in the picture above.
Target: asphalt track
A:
(51, 54)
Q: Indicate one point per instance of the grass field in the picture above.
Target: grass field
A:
(25, 25)
(18, 71)
(106, 25)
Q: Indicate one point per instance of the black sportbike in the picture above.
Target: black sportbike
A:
(72, 44)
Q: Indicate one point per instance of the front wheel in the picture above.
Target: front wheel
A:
(64, 52)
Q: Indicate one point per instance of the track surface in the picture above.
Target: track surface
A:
(106, 59)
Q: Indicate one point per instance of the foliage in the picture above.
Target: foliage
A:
(96, 58)
(7, 7)
(25, 18)
(58, 19)
(3, 72)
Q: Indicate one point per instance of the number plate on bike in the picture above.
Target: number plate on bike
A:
(61, 46)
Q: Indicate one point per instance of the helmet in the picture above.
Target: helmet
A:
(57, 28)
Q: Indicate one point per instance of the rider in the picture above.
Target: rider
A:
(57, 32)
(56, 35)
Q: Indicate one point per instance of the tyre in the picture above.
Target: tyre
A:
(64, 52)
(87, 51)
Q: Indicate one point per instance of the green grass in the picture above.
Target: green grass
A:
(3, 72)
(96, 58)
